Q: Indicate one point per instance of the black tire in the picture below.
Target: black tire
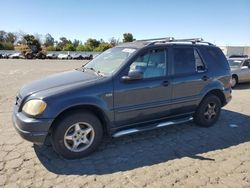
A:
(43, 56)
(29, 56)
(204, 120)
(60, 129)
(234, 81)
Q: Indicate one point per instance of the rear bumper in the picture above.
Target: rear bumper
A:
(33, 130)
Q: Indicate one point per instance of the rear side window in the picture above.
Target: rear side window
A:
(187, 60)
(217, 56)
(246, 63)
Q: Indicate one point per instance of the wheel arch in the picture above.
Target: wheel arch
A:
(87, 108)
(219, 93)
(236, 76)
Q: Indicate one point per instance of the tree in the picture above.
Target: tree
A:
(82, 48)
(2, 36)
(103, 46)
(63, 41)
(92, 44)
(114, 42)
(128, 37)
(49, 40)
(32, 43)
(69, 47)
(76, 43)
(6, 46)
(10, 37)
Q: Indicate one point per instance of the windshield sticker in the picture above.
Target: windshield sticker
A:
(128, 50)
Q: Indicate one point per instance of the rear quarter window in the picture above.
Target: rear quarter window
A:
(217, 58)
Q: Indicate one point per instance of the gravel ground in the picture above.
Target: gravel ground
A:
(176, 156)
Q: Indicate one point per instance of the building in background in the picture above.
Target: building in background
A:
(235, 50)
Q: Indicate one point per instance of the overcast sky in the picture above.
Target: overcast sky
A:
(224, 22)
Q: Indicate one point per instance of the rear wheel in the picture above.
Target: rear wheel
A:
(77, 135)
(208, 111)
(234, 81)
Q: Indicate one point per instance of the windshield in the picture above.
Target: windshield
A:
(110, 60)
(234, 63)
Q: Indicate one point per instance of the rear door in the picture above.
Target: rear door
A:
(189, 78)
(245, 71)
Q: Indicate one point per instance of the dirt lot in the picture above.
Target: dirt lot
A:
(178, 156)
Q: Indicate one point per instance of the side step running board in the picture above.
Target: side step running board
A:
(141, 129)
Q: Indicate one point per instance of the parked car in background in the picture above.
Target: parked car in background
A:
(238, 56)
(77, 56)
(240, 69)
(134, 87)
(89, 57)
(6, 55)
(51, 56)
(16, 55)
(64, 56)
(1, 56)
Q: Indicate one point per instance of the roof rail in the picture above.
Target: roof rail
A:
(172, 39)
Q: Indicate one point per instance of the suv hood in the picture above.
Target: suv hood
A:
(58, 80)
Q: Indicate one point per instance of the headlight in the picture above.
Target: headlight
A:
(34, 107)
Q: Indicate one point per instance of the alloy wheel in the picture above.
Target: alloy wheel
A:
(79, 136)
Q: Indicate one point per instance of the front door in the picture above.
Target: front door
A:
(245, 71)
(146, 99)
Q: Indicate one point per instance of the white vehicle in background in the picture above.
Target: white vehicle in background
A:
(240, 68)
(64, 56)
(51, 56)
(16, 55)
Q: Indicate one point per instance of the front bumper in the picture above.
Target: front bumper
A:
(228, 95)
(31, 129)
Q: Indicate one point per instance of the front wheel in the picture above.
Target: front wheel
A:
(208, 111)
(77, 135)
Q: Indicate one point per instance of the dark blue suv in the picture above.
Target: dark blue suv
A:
(130, 88)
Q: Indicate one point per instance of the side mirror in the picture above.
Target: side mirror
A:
(133, 75)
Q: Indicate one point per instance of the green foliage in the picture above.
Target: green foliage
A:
(92, 44)
(82, 48)
(49, 40)
(7, 40)
(128, 37)
(63, 42)
(6, 46)
(32, 43)
(69, 47)
(114, 42)
(76, 43)
(102, 47)
(29, 42)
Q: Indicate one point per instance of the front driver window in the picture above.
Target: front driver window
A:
(152, 64)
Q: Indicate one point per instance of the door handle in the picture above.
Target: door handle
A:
(165, 83)
(205, 78)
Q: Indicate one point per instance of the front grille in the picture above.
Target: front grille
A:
(18, 100)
